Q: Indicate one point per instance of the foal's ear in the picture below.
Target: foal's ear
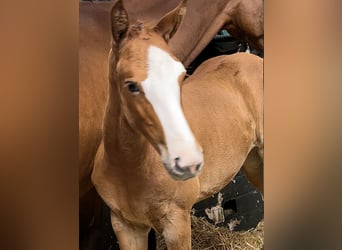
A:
(168, 24)
(119, 21)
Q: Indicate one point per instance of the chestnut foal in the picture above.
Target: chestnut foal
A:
(168, 142)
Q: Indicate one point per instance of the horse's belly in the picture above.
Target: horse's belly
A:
(217, 175)
(224, 154)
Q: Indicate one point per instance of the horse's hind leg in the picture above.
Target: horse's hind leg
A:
(254, 169)
(130, 237)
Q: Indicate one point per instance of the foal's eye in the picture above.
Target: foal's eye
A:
(132, 87)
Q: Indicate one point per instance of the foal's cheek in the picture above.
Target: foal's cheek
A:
(137, 113)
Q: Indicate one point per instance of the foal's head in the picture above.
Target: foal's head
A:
(149, 79)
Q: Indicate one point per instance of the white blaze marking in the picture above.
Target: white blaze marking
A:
(162, 91)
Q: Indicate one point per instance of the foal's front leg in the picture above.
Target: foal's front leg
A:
(130, 236)
(177, 231)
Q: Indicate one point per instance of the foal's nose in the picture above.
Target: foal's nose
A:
(189, 169)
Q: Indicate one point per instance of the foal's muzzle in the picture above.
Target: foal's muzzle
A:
(179, 172)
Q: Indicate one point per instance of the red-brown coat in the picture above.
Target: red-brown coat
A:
(136, 172)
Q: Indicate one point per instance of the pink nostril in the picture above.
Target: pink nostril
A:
(192, 169)
(187, 169)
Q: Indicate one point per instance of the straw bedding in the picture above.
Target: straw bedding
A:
(206, 236)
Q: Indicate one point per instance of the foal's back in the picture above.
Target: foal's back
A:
(235, 76)
(223, 102)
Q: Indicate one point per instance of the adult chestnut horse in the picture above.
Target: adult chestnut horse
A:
(242, 18)
(168, 143)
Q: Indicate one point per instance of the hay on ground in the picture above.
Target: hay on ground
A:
(206, 236)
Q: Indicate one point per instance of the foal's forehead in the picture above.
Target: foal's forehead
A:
(145, 53)
(132, 61)
(163, 61)
(138, 45)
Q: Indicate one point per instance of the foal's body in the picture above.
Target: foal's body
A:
(222, 102)
(148, 166)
